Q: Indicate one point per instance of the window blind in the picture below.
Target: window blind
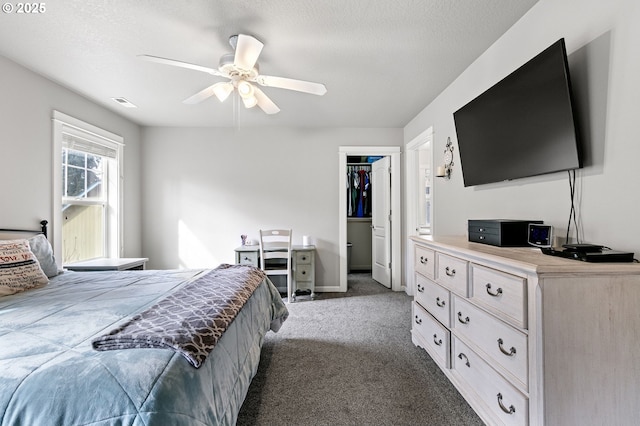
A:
(89, 143)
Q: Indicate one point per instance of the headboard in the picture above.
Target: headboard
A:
(42, 230)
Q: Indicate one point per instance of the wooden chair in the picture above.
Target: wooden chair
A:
(275, 255)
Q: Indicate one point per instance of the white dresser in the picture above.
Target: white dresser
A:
(530, 339)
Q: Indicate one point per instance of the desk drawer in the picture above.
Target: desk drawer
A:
(303, 273)
(303, 257)
(248, 258)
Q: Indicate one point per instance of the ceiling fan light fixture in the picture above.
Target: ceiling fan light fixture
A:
(250, 101)
(245, 89)
(222, 90)
(241, 68)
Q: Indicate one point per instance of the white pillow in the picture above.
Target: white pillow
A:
(19, 268)
(41, 248)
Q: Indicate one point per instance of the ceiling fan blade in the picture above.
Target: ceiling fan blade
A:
(247, 51)
(220, 90)
(291, 84)
(175, 63)
(265, 103)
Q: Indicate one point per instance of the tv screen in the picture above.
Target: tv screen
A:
(523, 126)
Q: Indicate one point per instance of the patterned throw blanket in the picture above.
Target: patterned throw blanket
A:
(191, 320)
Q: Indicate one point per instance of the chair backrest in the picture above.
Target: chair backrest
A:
(275, 244)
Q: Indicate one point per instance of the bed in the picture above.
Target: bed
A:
(51, 373)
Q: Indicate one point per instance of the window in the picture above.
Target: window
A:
(87, 193)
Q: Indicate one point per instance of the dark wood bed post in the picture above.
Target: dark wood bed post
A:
(43, 227)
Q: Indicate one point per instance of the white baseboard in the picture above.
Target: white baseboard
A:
(327, 289)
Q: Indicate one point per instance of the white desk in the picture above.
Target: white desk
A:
(302, 265)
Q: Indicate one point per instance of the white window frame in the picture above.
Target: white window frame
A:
(63, 123)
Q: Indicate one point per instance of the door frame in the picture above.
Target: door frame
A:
(411, 190)
(393, 152)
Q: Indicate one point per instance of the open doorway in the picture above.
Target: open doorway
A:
(393, 230)
(418, 194)
(368, 218)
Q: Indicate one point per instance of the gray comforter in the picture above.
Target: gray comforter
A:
(50, 375)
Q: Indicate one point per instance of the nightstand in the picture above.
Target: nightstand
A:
(121, 264)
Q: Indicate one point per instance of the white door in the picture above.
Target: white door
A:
(381, 221)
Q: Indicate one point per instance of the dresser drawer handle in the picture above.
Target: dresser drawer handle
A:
(418, 320)
(496, 294)
(509, 410)
(420, 289)
(303, 272)
(437, 341)
(440, 303)
(463, 321)
(424, 260)
(461, 355)
(511, 352)
(450, 272)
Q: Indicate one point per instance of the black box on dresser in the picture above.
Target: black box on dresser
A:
(500, 232)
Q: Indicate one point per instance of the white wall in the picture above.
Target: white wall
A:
(26, 106)
(602, 41)
(204, 187)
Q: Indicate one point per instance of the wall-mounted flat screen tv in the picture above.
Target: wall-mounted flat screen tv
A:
(522, 126)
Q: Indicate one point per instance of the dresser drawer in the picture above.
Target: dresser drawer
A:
(424, 261)
(434, 298)
(303, 257)
(501, 293)
(248, 258)
(506, 403)
(452, 273)
(435, 338)
(506, 346)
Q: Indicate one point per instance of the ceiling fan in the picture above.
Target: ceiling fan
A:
(242, 70)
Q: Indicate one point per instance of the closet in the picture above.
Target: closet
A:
(359, 212)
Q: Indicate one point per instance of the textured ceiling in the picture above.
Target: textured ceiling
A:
(382, 61)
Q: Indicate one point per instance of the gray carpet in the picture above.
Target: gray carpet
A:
(348, 359)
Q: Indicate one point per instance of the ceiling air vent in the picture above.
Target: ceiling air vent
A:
(125, 103)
